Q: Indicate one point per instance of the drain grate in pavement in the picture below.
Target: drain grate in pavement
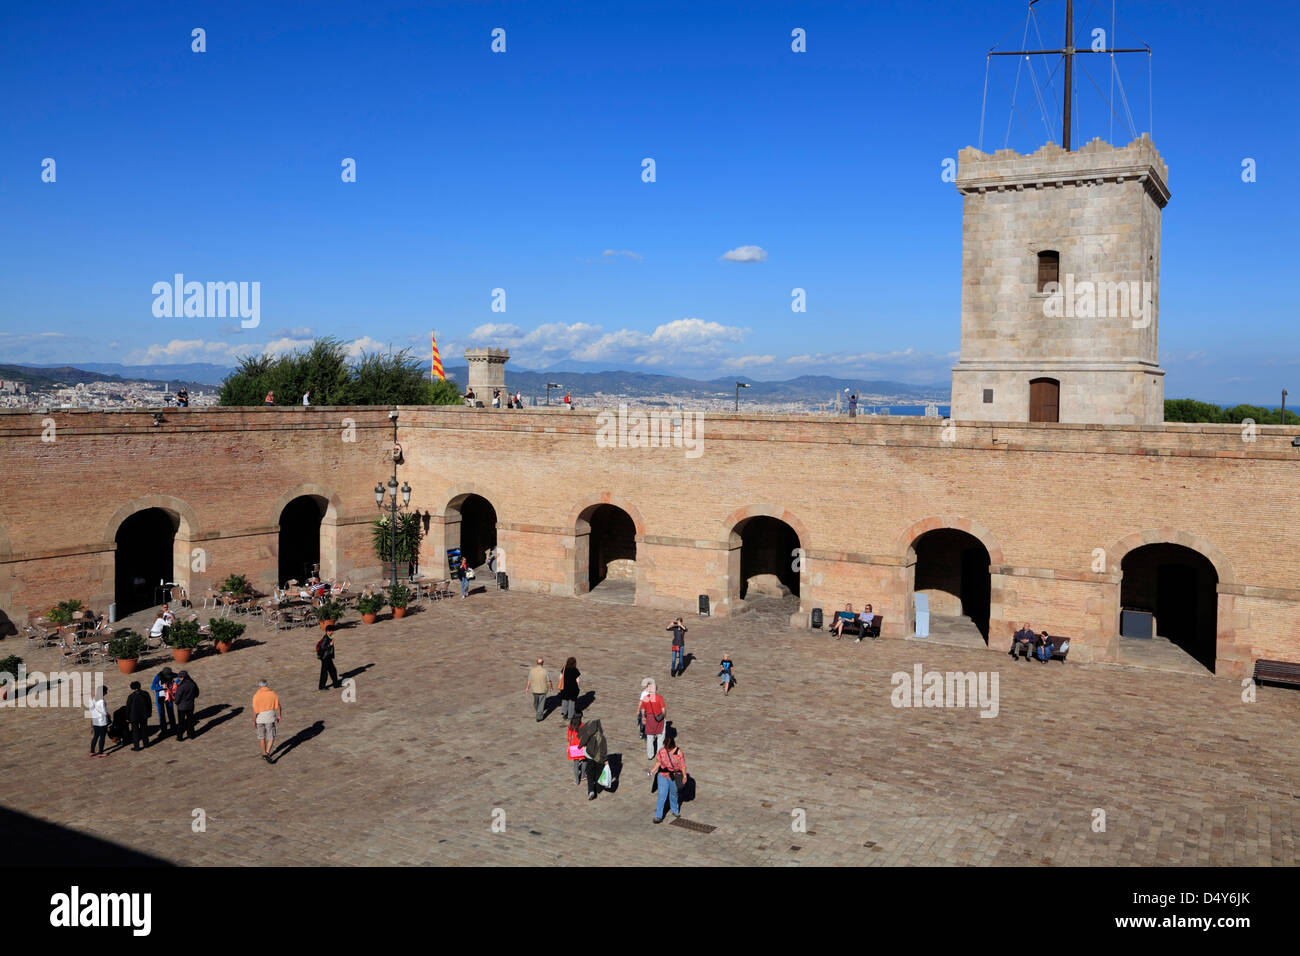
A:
(693, 826)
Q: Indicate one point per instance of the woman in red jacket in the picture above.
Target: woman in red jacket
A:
(578, 757)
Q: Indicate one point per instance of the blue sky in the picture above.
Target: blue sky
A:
(522, 171)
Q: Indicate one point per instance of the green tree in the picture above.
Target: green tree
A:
(395, 378)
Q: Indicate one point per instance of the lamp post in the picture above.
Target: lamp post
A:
(392, 494)
(549, 386)
(1284, 394)
(739, 386)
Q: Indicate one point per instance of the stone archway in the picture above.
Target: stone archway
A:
(608, 534)
(1211, 596)
(768, 543)
(330, 508)
(954, 548)
(153, 551)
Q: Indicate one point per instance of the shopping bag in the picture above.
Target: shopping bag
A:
(606, 778)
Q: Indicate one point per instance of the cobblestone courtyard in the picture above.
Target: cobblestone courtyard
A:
(441, 735)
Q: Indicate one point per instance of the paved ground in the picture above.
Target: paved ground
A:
(441, 736)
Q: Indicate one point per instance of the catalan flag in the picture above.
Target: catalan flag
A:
(436, 371)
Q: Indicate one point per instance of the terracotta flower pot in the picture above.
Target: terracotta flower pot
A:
(368, 618)
(181, 655)
(399, 613)
(327, 624)
(223, 647)
(128, 665)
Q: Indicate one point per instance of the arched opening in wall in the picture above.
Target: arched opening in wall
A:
(1171, 592)
(143, 559)
(471, 525)
(952, 570)
(605, 552)
(300, 524)
(763, 570)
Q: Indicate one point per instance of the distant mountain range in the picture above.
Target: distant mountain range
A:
(809, 388)
(48, 376)
(817, 388)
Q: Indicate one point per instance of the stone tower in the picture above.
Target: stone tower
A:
(1061, 285)
(487, 370)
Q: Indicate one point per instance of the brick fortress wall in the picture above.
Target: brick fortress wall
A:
(1056, 506)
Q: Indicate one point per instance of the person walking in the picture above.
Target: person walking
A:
(538, 683)
(325, 654)
(578, 757)
(97, 710)
(161, 686)
(266, 715)
(726, 676)
(672, 777)
(137, 715)
(653, 716)
(462, 570)
(569, 683)
(679, 644)
(187, 694)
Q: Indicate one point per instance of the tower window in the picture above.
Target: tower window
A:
(1049, 268)
(988, 396)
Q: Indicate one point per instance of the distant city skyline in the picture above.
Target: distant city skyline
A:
(502, 198)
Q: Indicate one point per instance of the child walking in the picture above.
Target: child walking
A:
(727, 678)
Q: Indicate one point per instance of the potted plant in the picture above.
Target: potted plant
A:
(225, 632)
(9, 666)
(235, 584)
(126, 648)
(184, 638)
(398, 598)
(62, 612)
(370, 605)
(329, 613)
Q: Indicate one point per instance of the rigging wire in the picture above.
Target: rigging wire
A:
(988, 61)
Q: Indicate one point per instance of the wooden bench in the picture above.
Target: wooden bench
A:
(1060, 648)
(1279, 672)
(855, 627)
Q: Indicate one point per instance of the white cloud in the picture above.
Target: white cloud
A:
(179, 351)
(682, 342)
(750, 361)
(635, 256)
(745, 254)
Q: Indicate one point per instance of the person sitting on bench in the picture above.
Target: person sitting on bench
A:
(867, 619)
(1021, 640)
(840, 617)
(1044, 647)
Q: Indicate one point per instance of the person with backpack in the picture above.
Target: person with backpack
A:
(325, 654)
(653, 716)
(187, 694)
(672, 777)
(137, 715)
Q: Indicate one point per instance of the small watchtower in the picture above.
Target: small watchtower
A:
(487, 370)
